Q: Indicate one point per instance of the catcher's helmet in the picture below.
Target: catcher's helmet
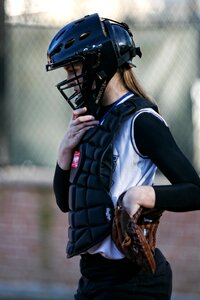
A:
(101, 46)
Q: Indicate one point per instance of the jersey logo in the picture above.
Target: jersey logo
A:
(76, 159)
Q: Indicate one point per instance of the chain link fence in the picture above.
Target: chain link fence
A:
(35, 115)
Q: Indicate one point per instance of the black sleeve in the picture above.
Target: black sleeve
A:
(154, 140)
(61, 187)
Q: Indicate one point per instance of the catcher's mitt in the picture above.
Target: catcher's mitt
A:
(136, 236)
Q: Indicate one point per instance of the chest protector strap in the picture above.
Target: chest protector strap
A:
(91, 207)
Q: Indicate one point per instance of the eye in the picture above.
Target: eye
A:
(70, 71)
(77, 68)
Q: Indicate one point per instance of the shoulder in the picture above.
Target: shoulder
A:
(147, 116)
(149, 129)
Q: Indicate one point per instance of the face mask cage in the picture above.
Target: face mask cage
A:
(72, 91)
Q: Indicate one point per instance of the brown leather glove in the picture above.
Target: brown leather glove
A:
(136, 236)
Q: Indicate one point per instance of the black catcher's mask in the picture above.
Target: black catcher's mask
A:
(101, 46)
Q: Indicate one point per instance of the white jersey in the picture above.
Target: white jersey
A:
(131, 168)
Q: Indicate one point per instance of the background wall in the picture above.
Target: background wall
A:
(33, 234)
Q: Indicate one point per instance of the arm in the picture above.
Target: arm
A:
(61, 187)
(78, 125)
(153, 139)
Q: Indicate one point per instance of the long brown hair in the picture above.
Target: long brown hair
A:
(130, 81)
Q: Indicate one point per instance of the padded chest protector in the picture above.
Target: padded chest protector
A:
(91, 207)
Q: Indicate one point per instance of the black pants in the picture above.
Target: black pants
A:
(104, 279)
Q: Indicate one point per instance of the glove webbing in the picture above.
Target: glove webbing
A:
(130, 239)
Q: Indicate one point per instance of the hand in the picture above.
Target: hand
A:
(78, 125)
(138, 196)
(129, 202)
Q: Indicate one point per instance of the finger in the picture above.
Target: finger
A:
(82, 119)
(79, 111)
(80, 126)
(81, 132)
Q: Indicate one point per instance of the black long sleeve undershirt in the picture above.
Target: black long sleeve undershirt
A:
(61, 186)
(153, 139)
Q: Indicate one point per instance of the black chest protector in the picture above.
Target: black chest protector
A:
(91, 207)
